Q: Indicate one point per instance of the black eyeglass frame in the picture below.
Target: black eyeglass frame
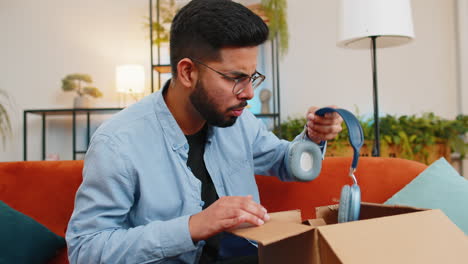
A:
(255, 76)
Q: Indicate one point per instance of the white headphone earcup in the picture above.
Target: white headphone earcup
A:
(304, 160)
(350, 203)
(343, 209)
(355, 206)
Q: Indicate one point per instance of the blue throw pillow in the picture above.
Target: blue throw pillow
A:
(438, 187)
(23, 240)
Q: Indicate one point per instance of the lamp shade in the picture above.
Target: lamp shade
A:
(130, 78)
(390, 20)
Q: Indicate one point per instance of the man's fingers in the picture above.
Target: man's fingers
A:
(255, 209)
(237, 205)
(251, 219)
(244, 220)
(333, 129)
(331, 119)
(324, 133)
(245, 217)
(312, 110)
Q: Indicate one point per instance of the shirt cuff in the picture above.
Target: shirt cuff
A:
(175, 236)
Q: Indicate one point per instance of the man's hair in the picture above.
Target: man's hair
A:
(202, 27)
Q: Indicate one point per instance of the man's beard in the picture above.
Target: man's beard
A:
(207, 108)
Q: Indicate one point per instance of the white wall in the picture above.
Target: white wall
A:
(413, 78)
(42, 41)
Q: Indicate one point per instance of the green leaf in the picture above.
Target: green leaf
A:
(410, 132)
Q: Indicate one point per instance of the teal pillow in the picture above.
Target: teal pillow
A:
(23, 240)
(438, 187)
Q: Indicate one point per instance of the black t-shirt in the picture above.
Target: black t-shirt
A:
(197, 165)
(209, 195)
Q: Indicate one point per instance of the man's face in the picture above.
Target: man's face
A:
(213, 96)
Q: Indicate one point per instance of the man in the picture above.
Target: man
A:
(165, 178)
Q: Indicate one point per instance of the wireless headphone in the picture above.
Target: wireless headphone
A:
(304, 162)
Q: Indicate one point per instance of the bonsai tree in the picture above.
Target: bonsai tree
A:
(76, 82)
(5, 123)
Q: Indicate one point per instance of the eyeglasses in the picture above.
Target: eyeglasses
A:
(240, 83)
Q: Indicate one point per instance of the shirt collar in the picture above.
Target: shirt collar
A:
(172, 132)
(171, 129)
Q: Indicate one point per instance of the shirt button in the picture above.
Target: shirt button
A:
(186, 146)
(202, 203)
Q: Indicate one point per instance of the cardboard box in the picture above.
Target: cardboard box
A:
(384, 234)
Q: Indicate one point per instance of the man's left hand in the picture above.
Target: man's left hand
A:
(321, 128)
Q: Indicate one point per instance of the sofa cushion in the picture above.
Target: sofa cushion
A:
(43, 190)
(24, 240)
(438, 187)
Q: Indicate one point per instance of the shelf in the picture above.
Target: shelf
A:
(67, 111)
(162, 68)
(73, 112)
(267, 115)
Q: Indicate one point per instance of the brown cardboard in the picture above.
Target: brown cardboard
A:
(315, 222)
(281, 225)
(283, 239)
(419, 237)
(368, 211)
(386, 234)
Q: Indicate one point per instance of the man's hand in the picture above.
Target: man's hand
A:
(226, 213)
(323, 127)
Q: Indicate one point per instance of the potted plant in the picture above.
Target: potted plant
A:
(423, 138)
(275, 10)
(161, 28)
(5, 123)
(76, 82)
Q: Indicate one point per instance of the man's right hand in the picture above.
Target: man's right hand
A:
(224, 214)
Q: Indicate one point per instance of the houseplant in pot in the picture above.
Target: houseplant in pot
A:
(274, 14)
(80, 83)
(423, 138)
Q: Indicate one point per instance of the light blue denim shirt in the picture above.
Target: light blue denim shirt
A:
(137, 193)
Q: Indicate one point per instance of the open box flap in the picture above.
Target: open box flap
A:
(368, 211)
(419, 237)
(280, 226)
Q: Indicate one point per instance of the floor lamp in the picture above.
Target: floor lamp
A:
(374, 23)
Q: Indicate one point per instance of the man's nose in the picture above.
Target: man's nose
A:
(247, 93)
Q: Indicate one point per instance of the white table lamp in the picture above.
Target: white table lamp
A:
(130, 80)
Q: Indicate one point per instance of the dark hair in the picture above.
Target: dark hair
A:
(202, 27)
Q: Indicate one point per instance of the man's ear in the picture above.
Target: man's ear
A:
(187, 73)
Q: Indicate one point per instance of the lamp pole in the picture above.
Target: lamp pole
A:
(376, 147)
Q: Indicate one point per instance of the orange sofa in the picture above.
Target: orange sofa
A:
(45, 190)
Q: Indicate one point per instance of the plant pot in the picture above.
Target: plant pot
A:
(81, 102)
